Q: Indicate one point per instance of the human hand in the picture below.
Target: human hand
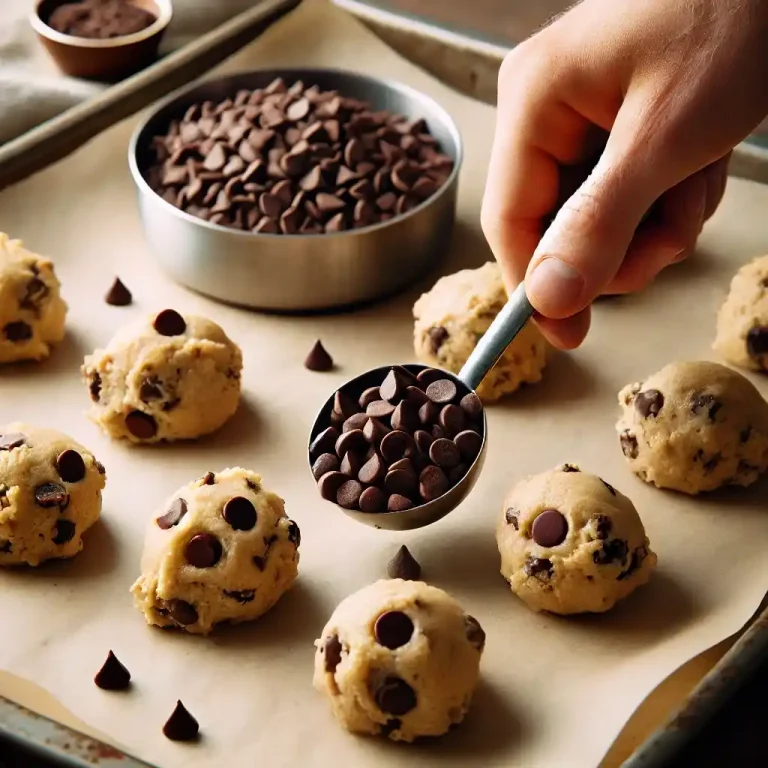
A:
(674, 85)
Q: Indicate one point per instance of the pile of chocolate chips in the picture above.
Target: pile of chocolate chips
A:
(100, 19)
(397, 445)
(295, 160)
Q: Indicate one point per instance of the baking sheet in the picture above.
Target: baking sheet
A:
(555, 692)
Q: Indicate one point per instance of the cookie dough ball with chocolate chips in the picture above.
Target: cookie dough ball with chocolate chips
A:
(50, 494)
(742, 322)
(166, 377)
(454, 315)
(399, 659)
(571, 543)
(32, 312)
(220, 549)
(693, 427)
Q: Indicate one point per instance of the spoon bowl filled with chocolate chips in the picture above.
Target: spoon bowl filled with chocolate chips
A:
(400, 447)
(297, 189)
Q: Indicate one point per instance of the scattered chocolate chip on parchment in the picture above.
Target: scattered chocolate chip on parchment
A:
(113, 676)
(100, 19)
(181, 726)
(404, 566)
(295, 160)
(318, 358)
(118, 295)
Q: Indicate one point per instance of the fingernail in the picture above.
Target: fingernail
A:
(555, 288)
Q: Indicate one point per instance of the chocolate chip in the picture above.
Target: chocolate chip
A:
(94, 386)
(63, 531)
(405, 417)
(17, 331)
(398, 503)
(355, 421)
(380, 409)
(569, 468)
(344, 405)
(242, 596)
(393, 387)
(396, 445)
(403, 566)
(603, 526)
(635, 562)
(375, 431)
(150, 390)
(432, 483)
(649, 403)
(240, 513)
(428, 375)
(437, 337)
(428, 413)
(70, 466)
(326, 462)
(400, 481)
(445, 453)
(325, 442)
(330, 483)
(113, 676)
(351, 463)
(475, 633)
(706, 404)
(170, 323)
(348, 495)
(209, 478)
(392, 725)
(511, 516)
(373, 500)
(203, 550)
(423, 441)
(628, 444)
(538, 567)
(318, 358)
(549, 528)
(442, 391)
(181, 726)
(332, 653)
(393, 629)
(354, 440)
(100, 468)
(118, 295)
(452, 419)
(173, 516)
(294, 533)
(469, 443)
(613, 550)
(51, 495)
(757, 342)
(415, 396)
(12, 440)
(394, 696)
(744, 435)
(141, 425)
(472, 406)
(368, 396)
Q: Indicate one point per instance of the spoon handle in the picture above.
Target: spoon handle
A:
(507, 324)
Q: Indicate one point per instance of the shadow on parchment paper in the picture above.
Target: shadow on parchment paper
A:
(297, 619)
(469, 561)
(656, 610)
(492, 726)
(100, 556)
(565, 379)
(65, 357)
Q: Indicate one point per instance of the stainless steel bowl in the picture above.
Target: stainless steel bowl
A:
(298, 272)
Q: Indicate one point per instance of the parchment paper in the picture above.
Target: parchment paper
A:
(555, 692)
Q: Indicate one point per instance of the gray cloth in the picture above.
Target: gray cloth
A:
(32, 90)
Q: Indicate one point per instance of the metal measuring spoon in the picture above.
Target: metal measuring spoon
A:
(507, 324)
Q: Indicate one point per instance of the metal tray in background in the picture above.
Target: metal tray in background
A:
(466, 62)
(61, 135)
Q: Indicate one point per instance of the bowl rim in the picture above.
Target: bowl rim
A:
(163, 19)
(394, 85)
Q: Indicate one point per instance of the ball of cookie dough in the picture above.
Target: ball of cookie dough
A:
(454, 315)
(694, 426)
(220, 549)
(399, 659)
(571, 543)
(166, 377)
(742, 322)
(32, 311)
(50, 494)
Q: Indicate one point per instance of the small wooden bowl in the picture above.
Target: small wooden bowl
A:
(106, 60)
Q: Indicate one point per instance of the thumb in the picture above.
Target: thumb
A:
(583, 248)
